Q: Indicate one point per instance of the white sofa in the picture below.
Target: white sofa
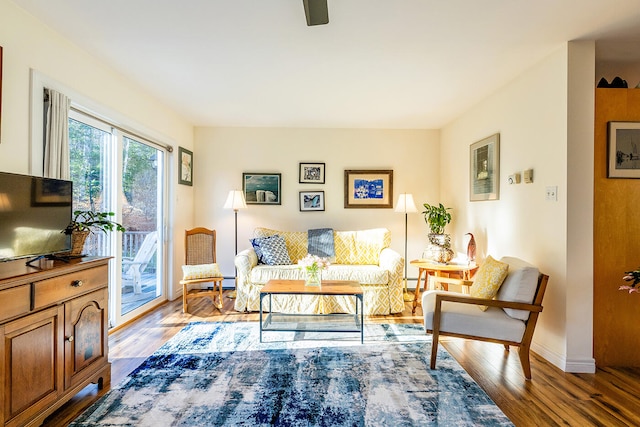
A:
(363, 256)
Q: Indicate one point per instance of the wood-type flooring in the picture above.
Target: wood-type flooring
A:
(610, 397)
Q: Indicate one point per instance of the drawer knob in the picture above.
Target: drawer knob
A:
(76, 283)
(70, 339)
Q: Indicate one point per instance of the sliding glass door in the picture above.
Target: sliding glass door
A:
(116, 172)
(142, 185)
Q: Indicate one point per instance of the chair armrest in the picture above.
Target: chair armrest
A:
(463, 299)
(393, 262)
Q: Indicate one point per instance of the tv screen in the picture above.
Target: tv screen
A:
(33, 213)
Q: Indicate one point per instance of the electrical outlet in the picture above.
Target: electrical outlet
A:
(551, 193)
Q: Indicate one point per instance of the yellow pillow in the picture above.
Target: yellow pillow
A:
(200, 271)
(488, 279)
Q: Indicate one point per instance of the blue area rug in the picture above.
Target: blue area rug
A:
(219, 374)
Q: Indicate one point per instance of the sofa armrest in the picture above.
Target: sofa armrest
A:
(244, 261)
(393, 262)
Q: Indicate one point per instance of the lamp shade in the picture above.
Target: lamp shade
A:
(405, 204)
(235, 200)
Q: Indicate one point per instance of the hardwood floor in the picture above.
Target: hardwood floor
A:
(610, 397)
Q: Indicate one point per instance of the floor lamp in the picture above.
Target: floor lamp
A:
(235, 201)
(405, 204)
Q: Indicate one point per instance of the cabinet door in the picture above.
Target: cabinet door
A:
(86, 340)
(31, 352)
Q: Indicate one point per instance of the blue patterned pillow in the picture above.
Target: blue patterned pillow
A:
(273, 250)
(256, 247)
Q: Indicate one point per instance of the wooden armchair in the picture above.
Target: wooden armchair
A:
(200, 253)
(509, 320)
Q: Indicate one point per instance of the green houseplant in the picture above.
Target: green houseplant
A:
(439, 247)
(436, 217)
(85, 222)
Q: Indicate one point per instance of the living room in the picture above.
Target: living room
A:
(544, 116)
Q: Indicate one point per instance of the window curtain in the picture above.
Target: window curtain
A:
(56, 144)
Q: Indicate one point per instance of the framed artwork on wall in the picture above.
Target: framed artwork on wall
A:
(311, 201)
(311, 173)
(624, 146)
(484, 169)
(368, 188)
(262, 188)
(185, 166)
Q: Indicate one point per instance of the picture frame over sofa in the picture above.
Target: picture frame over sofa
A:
(368, 189)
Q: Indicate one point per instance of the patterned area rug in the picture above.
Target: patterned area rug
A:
(219, 374)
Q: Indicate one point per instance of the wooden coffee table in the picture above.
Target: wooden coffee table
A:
(337, 322)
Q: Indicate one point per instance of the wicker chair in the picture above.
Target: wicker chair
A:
(200, 249)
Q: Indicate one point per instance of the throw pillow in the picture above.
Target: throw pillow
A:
(273, 250)
(488, 279)
(256, 247)
(200, 271)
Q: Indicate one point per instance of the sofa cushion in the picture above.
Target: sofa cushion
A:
(296, 241)
(520, 285)
(200, 271)
(488, 279)
(273, 250)
(361, 247)
(364, 274)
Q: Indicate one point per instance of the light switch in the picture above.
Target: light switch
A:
(551, 193)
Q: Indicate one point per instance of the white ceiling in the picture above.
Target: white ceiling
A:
(377, 64)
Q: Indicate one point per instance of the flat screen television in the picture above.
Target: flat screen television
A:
(34, 211)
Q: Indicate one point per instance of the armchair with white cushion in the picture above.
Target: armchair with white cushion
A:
(509, 319)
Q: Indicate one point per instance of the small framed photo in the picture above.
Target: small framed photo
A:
(311, 201)
(311, 173)
(262, 188)
(368, 188)
(185, 166)
(484, 169)
(624, 154)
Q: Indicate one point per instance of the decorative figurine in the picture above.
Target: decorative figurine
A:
(471, 248)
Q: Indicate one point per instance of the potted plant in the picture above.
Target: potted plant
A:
(439, 247)
(436, 217)
(85, 222)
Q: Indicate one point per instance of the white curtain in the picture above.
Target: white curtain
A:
(56, 146)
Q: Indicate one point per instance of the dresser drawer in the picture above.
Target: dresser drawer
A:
(67, 286)
(15, 302)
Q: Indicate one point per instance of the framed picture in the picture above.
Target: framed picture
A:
(311, 201)
(624, 142)
(311, 173)
(261, 188)
(484, 169)
(368, 188)
(185, 166)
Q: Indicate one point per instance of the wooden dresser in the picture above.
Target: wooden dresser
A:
(54, 328)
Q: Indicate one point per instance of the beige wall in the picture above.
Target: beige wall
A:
(29, 45)
(222, 154)
(530, 114)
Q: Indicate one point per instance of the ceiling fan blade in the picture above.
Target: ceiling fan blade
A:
(316, 11)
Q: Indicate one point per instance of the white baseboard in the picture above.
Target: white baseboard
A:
(576, 366)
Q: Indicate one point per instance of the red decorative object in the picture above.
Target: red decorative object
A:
(471, 248)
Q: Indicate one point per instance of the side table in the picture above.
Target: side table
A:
(426, 268)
